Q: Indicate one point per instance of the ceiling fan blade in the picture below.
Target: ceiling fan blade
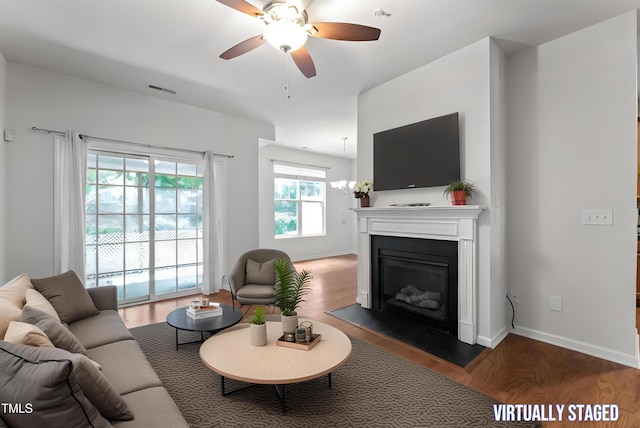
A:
(344, 31)
(243, 47)
(303, 60)
(243, 7)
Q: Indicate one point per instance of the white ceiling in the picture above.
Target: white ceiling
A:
(175, 44)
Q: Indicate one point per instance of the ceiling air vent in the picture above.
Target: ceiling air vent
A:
(158, 88)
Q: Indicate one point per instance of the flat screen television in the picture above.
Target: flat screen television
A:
(423, 154)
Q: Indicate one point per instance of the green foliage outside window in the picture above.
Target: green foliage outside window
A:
(286, 218)
(298, 194)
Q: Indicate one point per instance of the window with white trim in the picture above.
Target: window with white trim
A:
(299, 200)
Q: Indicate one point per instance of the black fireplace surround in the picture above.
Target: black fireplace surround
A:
(416, 279)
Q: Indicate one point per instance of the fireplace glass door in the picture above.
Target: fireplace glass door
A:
(416, 278)
(416, 287)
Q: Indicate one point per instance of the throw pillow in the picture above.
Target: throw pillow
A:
(15, 289)
(26, 334)
(58, 334)
(8, 312)
(67, 295)
(37, 300)
(48, 385)
(95, 386)
(260, 273)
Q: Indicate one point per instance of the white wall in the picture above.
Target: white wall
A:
(3, 173)
(571, 135)
(53, 101)
(498, 288)
(339, 220)
(467, 81)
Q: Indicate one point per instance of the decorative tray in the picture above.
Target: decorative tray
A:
(315, 338)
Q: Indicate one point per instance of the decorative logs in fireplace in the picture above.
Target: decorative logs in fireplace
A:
(424, 299)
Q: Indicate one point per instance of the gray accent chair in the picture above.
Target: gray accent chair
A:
(246, 292)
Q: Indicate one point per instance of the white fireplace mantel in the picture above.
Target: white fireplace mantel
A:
(448, 223)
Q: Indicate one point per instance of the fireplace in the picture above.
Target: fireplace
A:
(416, 279)
(456, 225)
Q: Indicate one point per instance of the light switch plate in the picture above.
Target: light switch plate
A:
(8, 135)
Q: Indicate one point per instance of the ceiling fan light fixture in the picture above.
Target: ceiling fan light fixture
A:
(310, 29)
(285, 35)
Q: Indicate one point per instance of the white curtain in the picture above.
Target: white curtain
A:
(212, 224)
(69, 175)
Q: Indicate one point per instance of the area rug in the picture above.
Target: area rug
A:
(418, 335)
(374, 388)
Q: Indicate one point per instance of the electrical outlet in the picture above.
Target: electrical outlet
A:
(515, 296)
(555, 303)
(598, 217)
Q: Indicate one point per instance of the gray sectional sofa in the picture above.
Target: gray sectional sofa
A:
(29, 374)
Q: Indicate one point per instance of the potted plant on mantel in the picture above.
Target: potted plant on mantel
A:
(460, 190)
(258, 328)
(290, 288)
(361, 191)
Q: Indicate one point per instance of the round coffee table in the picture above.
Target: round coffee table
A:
(179, 319)
(231, 355)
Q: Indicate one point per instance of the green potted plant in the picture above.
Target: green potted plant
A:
(258, 328)
(290, 288)
(460, 190)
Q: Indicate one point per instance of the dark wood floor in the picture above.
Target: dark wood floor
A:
(519, 370)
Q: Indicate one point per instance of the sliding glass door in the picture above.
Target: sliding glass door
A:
(143, 225)
(177, 226)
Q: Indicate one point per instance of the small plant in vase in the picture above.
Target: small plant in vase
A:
(460, 190)
(258, 327)
(361, 191)
(290, 288)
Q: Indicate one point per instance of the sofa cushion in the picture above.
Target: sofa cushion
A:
(106, 327)
(67, 295)
(260, 273)
(253, 291)
(37, 300)
(26, 334)
(126, 367)
(59, 334)
(15, 290)
(153, 407)
(95, 386)
(48, 385)
(8, 312)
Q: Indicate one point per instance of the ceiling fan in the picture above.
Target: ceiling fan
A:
(287, 28)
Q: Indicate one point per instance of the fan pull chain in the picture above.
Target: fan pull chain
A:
(287, 89)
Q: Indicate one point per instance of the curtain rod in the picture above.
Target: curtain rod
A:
(300, 164)
(48, 131)
(149, 146)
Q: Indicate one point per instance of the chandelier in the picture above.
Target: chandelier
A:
(345, 186)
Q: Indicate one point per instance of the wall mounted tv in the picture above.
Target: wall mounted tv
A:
(423, 154)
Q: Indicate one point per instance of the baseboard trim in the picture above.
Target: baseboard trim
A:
(493, 341)
(637, 359)
(583, 347)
